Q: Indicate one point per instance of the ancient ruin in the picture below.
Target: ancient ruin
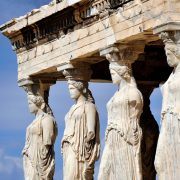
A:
(78, 41)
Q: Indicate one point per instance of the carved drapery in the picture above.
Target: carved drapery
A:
(38, 152)
(61, 23)
(80, 143)
(168, 155)
(122, 153)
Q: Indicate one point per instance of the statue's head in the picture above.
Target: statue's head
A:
(79, 88)
(36, 103)
(119, 72)
(173, 54)
(78, 78)
(172, 47)
(76, 88)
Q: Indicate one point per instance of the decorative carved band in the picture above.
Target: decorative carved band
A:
(58, 24)
(48, 28)
(118, 3)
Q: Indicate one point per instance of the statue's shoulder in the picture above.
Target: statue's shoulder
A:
(134, 90)
(134, 93)
(47, 118)
(90, 106)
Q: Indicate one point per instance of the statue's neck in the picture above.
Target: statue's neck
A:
(81, 99)
(176, 69)
(40, 112)
(123, 84)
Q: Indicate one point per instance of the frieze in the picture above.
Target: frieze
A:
(62, 22)
(45, 30)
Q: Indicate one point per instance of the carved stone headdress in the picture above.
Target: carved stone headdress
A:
(80, 72)
(117, 62)
(172, 37)
(34, 94)
(79, 76)
(172, 41)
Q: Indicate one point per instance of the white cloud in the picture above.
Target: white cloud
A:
(10, 166)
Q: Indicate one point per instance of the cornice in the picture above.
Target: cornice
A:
(27, 32)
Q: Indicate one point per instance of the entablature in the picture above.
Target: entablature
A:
(26, 33)
(70, 31)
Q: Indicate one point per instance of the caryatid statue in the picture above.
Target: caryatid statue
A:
(38, 153)
(167, 160)
(121, 159)
(80, 143)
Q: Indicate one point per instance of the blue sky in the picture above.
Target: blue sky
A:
(14, 113)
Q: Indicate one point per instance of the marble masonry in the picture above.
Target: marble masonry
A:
(135, 44)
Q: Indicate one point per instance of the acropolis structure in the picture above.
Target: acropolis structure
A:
(134, 44)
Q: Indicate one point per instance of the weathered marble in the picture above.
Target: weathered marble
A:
(83, 27)
(66, 32)
(121, 159)
(38, 153)
(80, 143)
(167, 160)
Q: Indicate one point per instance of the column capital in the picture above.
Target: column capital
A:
(26, 82)
(123, 53)
(37, 87)
(32, 81)
(29, 85)
(170, 37)
(171, 40)
(167, 27)
(76, 71)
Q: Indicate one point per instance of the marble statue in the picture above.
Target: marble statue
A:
(121, 159)
(80, 143)
(167, 160)
(38, 153)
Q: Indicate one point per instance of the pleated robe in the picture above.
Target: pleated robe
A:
(38, 153)
(167, 160)
(121, 160)
(79, 155)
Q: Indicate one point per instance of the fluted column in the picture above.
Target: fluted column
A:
(168, 149)
(121, 157)
(80, 143)
(38, 152)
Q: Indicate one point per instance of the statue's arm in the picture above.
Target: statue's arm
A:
(136, 107)
(136, 104)
(164, 92)
(90, 111)
(48, 131)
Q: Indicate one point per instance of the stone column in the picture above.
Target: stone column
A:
(81, 142)
(167, 160)
(121, 157)
(150, 131)
(38, 152)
